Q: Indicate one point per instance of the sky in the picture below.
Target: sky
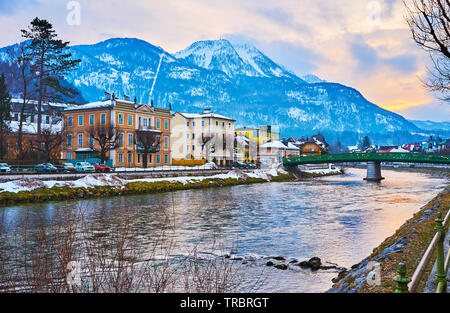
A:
(364, 44)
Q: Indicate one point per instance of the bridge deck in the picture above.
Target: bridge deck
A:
(366, 157)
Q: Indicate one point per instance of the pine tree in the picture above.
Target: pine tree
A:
(5, 115)
(51, 61)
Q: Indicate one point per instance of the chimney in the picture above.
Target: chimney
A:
(206, 111)
(135, 100)
(151, 103)
(113, 96)
(170, 106)
(107, 96)
(126, 97)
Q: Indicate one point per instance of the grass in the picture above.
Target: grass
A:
(134, 188)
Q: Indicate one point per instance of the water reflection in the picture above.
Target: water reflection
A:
(339, 219)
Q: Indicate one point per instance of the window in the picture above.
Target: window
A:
(80, 140)
(255, 134)
(193, 124)
(223, 124)
(91, 141)
(140, 121)
(130, 139)
(69, 140)
(166, 158)
(203, 123)
(145, 122)
(217, 123)
(139, 158)
(120, 157)
(193, 136)
(70, 121)
(80, 120)
(187, 136)
(130, 157)
(193, 147)
(158, 158)
(47, 119)
(166, 124)
(187, 148)
(91, 119)
(69, 155)
(166, 142)
(121, 140)
(229, 125)
(187, 123)
(158, 123)
(120, 119)
(130, 120)
(32, 118)
(150, 159)
(103, 119)
(16, 117)
(313, 148)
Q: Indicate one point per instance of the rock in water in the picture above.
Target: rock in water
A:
(315, 263)
(270, 263)
(282, 267)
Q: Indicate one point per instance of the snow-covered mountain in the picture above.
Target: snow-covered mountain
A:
(239, 81)
(312, 79)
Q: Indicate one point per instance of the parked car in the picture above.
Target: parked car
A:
(4, 168)
(238, 165)
(45, 168)
(250, 165)
(65, 167)
(101, 168)
(84, 167)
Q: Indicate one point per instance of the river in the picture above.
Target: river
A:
(340, 219)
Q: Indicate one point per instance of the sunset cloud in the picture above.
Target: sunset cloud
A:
(361, 43)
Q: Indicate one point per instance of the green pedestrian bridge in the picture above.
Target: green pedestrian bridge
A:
(373, 160)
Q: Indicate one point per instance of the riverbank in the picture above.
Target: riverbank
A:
(102, 185)
(407, 245)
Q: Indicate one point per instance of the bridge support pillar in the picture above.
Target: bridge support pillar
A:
(374, 172)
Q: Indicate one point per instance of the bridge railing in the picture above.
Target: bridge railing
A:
(436, 247)
(365, 157)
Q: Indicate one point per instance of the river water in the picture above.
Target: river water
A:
(340, 219)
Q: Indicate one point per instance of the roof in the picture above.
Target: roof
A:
(277, 145)
(92, 105)
(204, 115)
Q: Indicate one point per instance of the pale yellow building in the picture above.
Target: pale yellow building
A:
(257, 137)
(203, 136)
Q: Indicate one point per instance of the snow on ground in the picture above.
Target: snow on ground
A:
(324, 171)
(93, 180)
(207, 166)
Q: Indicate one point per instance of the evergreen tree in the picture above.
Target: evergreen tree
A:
(365, 143)
(5, 115)
(51, 61)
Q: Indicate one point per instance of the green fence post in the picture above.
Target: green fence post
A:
(441, 276)
(401, 279)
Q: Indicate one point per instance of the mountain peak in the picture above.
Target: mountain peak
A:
(312, 79)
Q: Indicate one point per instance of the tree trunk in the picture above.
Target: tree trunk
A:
(145, 159)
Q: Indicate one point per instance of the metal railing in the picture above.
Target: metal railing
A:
(365, 157)
(405, 285)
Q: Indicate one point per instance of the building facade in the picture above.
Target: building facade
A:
(127, 117)
(204, 136)
(257, 136)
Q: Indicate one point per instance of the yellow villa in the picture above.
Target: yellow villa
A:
(203, 137)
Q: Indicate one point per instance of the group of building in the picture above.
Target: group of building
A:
(183, 138)
(432, 145)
